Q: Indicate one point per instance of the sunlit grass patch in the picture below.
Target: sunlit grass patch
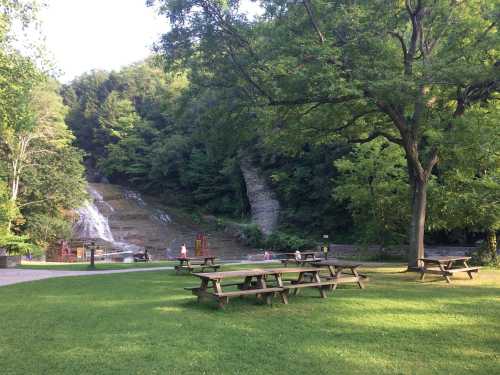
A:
(146, 323)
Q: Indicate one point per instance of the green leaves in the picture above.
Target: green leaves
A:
(374, 183)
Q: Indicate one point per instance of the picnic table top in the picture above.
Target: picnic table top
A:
(336, 262)
(251, 272)
(196, 258)
(444, 259)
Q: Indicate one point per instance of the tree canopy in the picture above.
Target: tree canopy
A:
(406, 71)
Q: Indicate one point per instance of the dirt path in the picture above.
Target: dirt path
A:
(11, 276)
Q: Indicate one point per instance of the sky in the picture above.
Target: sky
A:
(81, 35)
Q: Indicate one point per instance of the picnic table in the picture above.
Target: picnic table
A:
(260, 282)
(191, 263)
(306, 258)
(446, 266)
(342, 272)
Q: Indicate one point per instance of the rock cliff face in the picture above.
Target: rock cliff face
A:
(265, 207)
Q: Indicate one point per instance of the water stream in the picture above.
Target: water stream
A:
(92, 224)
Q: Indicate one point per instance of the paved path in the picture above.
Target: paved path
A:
(9, 276)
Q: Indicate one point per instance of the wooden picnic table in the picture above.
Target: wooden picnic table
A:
(259, 282)
(446, 266)
(191, 263)
(341, 271)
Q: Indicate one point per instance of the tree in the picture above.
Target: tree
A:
(116, 119)
(403, 70)
(17, 72)
(372, 179)
(43, 169)
(468, 193)
(34, 142)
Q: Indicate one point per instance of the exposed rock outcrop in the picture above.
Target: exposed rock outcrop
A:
(136, 220)
(265, 208)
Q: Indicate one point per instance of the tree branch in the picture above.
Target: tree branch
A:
(312, 100)
(431, 163)
(475, 92)
(402, 42)
(308, 6)
(31, 203)
(376, 134)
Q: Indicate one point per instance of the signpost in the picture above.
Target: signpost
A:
(92, 246)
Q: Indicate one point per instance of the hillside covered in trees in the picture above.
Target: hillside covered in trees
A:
(41, 171)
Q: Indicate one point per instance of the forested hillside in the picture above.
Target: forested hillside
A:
(172, 137)
(362, 118)
(41, 172)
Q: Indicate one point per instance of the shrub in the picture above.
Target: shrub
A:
(482, 256)
(251, 235)
(280, 241)
(18, 245)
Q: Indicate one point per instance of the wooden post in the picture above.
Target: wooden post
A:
(92, 254)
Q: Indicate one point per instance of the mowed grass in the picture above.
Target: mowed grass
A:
(98, 266)
(145, 323)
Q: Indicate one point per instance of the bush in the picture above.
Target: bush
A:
(18, 245)
(280, 241)
(251, 235)
(483, 257)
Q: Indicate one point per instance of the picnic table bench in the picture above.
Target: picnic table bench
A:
(342, 272)
(446, 266)
(260, 282)
(194, 263)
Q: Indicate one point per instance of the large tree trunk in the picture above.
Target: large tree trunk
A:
(491, 242)
(417, 223)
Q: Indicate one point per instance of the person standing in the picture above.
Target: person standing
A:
(184, 251)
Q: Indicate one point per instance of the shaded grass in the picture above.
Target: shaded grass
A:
(98, 266)
(145, 323)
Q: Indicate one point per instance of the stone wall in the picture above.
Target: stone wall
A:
(7, 261)
(265, 208)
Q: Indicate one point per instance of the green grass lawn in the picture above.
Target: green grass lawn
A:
(145, 323)
(98, 266)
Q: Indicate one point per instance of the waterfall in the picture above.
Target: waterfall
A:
(92, 224)
(157, 215)
(99, 199)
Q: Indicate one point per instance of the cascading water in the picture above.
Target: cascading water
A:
(92, 224)
(157, 215)
(99, 199)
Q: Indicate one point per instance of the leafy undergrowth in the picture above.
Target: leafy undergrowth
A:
(98, 266)
(145, 323)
